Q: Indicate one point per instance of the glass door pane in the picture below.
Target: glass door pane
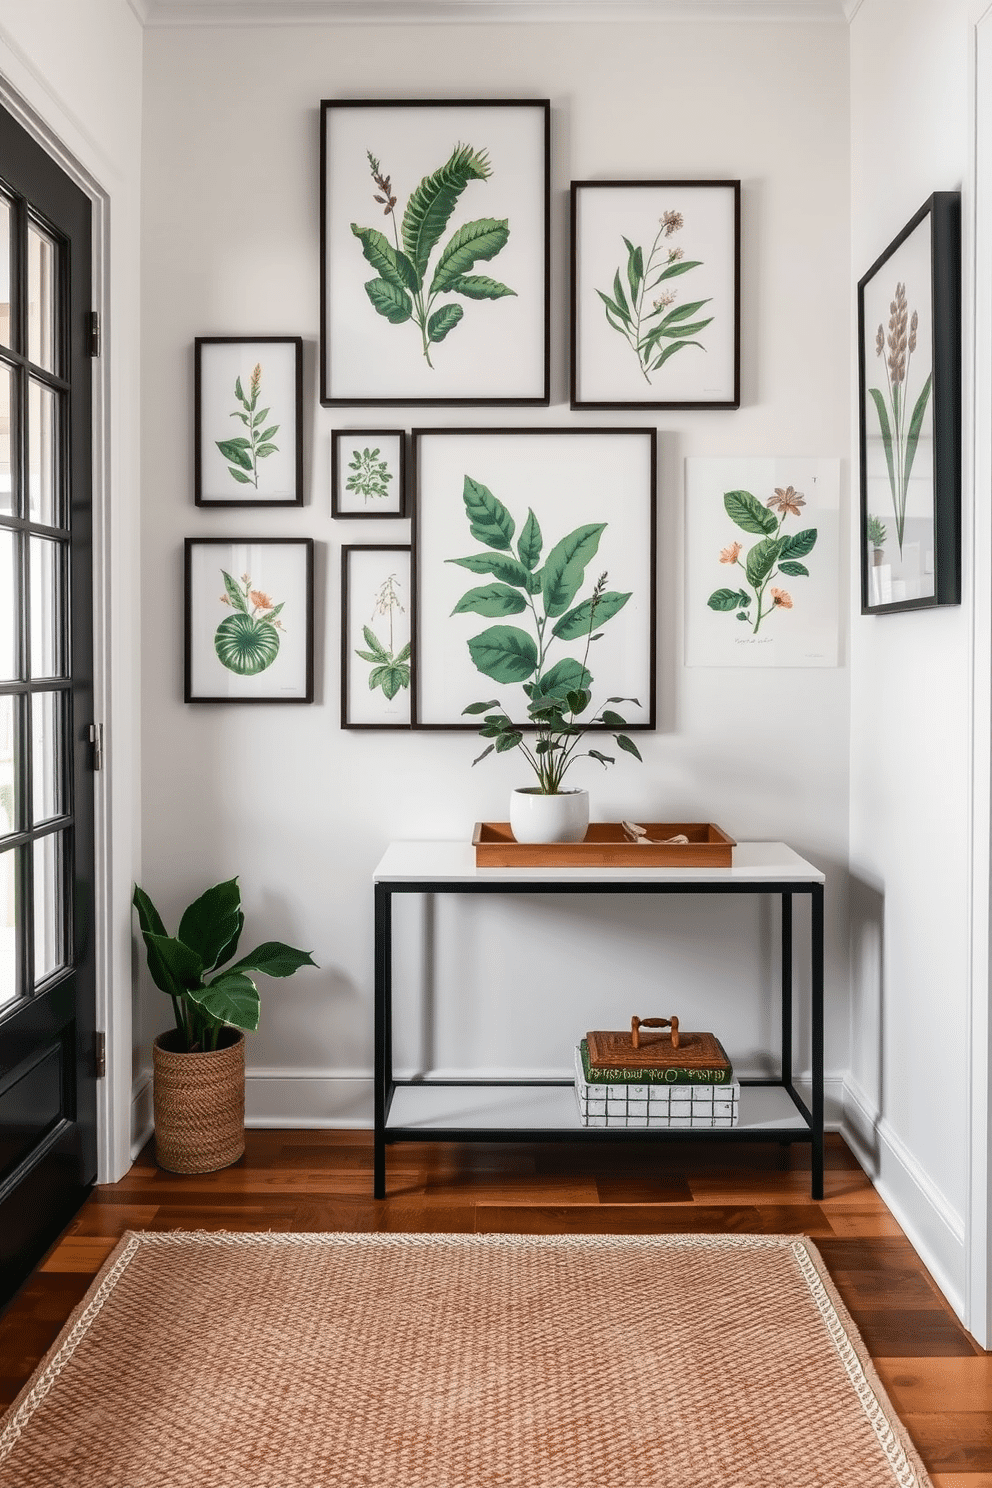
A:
(42, 493)
(10, 599)
(46, 608)
(5, 225)
(47, 739)
(6, 481)
(48, 901)
(41, 299)
(8, 925)
(8, 756)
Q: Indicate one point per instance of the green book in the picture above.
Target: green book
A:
(672, 1075)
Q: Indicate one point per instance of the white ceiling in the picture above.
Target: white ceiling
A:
(300, 12)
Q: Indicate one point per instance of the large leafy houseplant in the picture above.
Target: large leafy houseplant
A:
(208, 995)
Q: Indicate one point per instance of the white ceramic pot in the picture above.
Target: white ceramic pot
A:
(538, 818)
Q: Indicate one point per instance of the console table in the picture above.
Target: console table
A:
(771, 1110)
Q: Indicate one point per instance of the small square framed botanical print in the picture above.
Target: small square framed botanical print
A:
(248, 421)
(368, 473)
(249, 620)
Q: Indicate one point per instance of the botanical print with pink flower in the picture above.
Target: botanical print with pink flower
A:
(777, 553)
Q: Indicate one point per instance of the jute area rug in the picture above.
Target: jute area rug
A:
(422, 1361)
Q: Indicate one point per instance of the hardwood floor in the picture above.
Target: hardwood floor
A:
(939, 1380)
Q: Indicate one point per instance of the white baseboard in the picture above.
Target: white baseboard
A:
(308, 1099)
(933, 1227)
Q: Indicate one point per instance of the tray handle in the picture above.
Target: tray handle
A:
(636, 1024)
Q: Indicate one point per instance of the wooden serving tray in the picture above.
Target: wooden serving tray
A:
(606, 846)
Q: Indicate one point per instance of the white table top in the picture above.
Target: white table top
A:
(454, 862)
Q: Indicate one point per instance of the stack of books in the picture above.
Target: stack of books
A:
(690, 1085)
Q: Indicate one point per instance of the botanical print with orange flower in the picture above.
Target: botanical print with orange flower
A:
(776, 553)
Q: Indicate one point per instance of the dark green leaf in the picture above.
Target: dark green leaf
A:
(508, 741)
(374, 644)
(236, 451)
(210, 921)
(479, 287)
(274, 958)
(635, 271)
(794, 570)
(148, 916)
(568, 675)
(724, 599)
(761, 559)
(488, 750)
(395, 268)
(800, 544)
(580, 621)
(628, 745)
(239, 476)
(530, 542)
(234, 593)
(395, 677)
(564, 568)
(504, 653)
(604, 759)
(670, 351)
(392, 303)
(175, 966)
(476, 240)
(503, 566)
(232, 945)
(613, 720)
(489, 520)
(578, 701)
(481, 707)
(246, 644)
(432, 203)
(619, 296)
(685, 331)
(612, 307)
(492, 600)
(674, 269)
(683, 312)
(747, 511)
(443, 321)
(230, 998)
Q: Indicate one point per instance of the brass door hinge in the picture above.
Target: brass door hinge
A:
(100, 1055)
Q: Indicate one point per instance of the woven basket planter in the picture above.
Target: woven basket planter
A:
(199, 1105)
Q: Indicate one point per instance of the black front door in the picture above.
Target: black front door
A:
(47, 1071)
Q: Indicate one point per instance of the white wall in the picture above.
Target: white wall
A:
(72, 73)
(303, 810)
(911, 697)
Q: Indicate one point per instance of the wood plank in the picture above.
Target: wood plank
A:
(648, 1219)
(952, 1440)
(85, 1253)
(926, 1385)
(896, 1332)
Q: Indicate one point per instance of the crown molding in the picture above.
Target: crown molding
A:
(155, 13)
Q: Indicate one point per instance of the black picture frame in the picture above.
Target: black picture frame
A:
(505, 355)
(386, 712)
(341, 441)
(529, 466)
(607, 220)
(285, 476)
(923, 264)
(203, 668)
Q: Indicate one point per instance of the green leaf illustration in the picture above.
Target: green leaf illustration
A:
(489, 520)
(475, 241)
(432, 203)
(239, 391)
(568, 675)
(683, 312)
(916, 428)
(267, 434)
(586, 616)
(800, 544)
(443, 321)
(395, 304)
(479, 287)
(762, 559)
(635, 268)
(502, 566)
(236, 450)
(389, 263)
(374, 644)
(234, 593)
(886, 431)
(794, 570)
(245, 645)
(492, 600)
(670, 351)
(747, 511)
(265, 449)
(564, 568)
(530, 542)
(504, 653)
(613, 308)
(727, 599)
(239, 476)
(674, 269)
(685, 331)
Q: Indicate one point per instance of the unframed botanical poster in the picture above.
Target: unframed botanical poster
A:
(762, 562)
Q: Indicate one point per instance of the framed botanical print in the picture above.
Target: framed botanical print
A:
(248, 421)
(249, 620)
(909, 359)
(376, 612)
(368, 473)
(434, 251)
(656, 300)
(534, 559)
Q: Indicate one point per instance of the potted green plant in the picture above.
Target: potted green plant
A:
(547, 812)
(199, 1066)
(876, 539)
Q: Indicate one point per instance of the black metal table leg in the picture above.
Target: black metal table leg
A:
(383, 1061)
(816, 957)
(787, 989)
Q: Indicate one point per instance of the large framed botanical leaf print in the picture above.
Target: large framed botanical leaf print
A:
(909, 325)
(248, 439)
(534, 555)
(656, 294)
(434, 252)
(249, 620)
(376, 612)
